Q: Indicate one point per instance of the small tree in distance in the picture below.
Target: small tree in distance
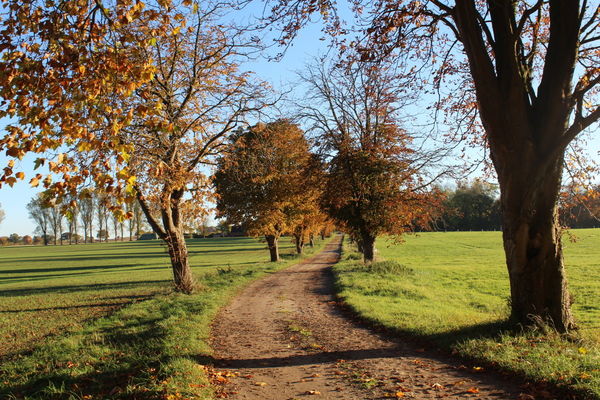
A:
(374, 182)
(261, 182)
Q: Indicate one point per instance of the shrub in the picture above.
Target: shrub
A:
(27, 239)
(353, 256)
(389, 267)
(4, 240)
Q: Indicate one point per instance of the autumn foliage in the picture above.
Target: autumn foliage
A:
(265, 183)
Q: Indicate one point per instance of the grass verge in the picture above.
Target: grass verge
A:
(153, 349)
(451, 290)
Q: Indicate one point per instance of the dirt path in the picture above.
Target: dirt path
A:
(284, 338)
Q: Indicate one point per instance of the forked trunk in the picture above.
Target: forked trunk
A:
(272, 242)
(182, 273)
(532, 243)
(368, 247)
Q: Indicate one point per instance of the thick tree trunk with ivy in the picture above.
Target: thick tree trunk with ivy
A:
(273, 244)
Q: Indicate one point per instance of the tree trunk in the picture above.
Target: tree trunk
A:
(311, 240)
(272, 242)
(532, 243)
(299, 241)
(182, 273)
(368, 247)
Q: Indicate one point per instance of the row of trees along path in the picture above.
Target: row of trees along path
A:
(134, 99)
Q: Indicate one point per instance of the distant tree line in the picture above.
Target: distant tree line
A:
(83, 221)
(472, 206)
(580, 208)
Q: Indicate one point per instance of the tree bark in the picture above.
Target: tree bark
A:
(311, 240)
(272, 242)
(368, 247)
(182, 273)
(299, 241)
(532, 243)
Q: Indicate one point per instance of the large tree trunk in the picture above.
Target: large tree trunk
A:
(532, 242)
(272, 242)
(368, 247)
(299, 241)
(182, 273)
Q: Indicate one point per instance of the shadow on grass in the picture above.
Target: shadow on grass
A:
(128, 300)
(132, 350)
(79, 288)
(66, 269)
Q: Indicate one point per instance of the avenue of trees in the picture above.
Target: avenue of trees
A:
(136, 100)
(521, 77)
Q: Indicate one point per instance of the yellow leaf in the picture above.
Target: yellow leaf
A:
(20, 175)
(582, 350)
(34, 182)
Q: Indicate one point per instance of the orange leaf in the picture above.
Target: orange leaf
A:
(472, 390)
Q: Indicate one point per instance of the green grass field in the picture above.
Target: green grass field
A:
(100, 321)
(454, 293)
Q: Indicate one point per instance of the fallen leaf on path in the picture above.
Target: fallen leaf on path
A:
(315, 375)
(477, 369)
(437, 386)
(524, 396)
(472, 390)
(260, 383)
(313, 392)
(399, 394)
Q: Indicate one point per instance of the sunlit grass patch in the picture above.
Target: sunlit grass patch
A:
(456, 295)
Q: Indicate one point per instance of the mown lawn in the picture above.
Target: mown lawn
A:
(454, 292)
(100, 321)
